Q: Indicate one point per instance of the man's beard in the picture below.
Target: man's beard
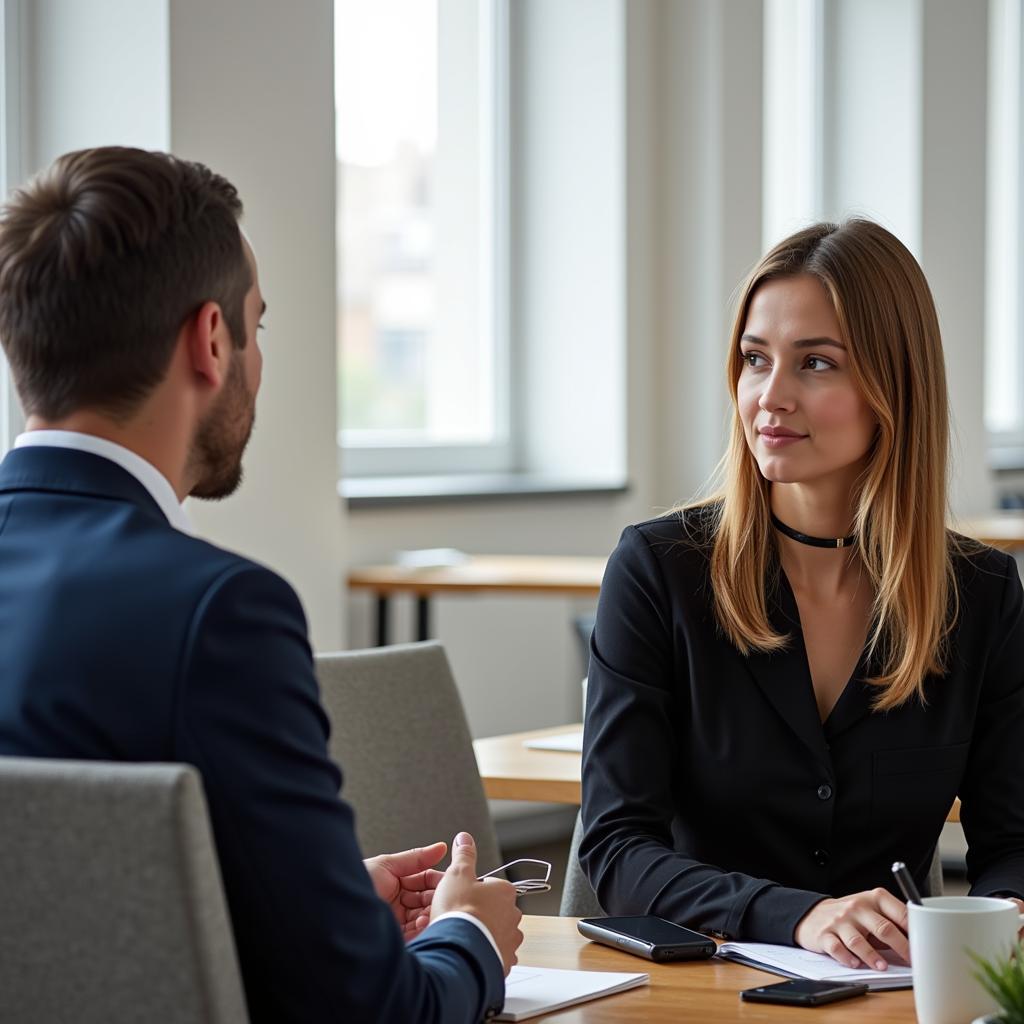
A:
(222, 436)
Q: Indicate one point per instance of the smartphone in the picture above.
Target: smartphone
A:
(648, 936)
(803, 992)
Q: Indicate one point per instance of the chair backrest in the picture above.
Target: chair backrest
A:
(400, 734)
(578, 896)
(111, 904)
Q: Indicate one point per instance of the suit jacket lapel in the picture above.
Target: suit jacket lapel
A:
(784, 678)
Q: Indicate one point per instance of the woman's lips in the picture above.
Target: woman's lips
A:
(777, 437)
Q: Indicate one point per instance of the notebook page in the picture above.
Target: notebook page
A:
(801, 963)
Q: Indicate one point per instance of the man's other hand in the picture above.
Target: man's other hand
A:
(406, 882)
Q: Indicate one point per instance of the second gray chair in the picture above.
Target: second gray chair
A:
(110, 897)
(399, 731)
(578, 896)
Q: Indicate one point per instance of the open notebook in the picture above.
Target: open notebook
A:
(531, 991)
(792, 962)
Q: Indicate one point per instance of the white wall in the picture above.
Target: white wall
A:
(709, 206)
(97, 74)
(872, 120)
(905, 144)
(568, 234)
(252, 94)
(953, 191)
(247, 87)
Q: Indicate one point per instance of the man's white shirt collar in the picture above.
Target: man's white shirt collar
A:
(158, 486)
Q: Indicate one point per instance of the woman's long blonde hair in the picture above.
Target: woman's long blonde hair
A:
(891, 330)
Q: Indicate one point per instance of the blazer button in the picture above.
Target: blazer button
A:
(820, 857)
(824, 792)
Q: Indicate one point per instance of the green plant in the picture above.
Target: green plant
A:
(1004, 982)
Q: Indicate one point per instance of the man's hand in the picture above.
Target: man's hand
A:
(853, 929)
(406, 882)
(492, 900)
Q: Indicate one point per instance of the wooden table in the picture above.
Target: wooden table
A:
(554, 575)
(510, 771)
(699, 992)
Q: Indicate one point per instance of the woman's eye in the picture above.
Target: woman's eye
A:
(816, 363)
(753, 359)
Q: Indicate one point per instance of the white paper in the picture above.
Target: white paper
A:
(530, 991)
(571, 742)
(794, 962)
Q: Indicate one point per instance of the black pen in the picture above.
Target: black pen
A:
(899, 869)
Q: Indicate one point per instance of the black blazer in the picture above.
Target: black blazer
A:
(714, 796)
(126, 640)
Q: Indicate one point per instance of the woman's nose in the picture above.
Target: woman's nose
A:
(778, 393)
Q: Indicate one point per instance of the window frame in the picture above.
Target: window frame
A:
(393, 457)
(11, 172)
(1005, 248)
(792, 143)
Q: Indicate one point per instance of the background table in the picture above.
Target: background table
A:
(510, 771)
(554, 575)
(1003, 530)
(697, 992)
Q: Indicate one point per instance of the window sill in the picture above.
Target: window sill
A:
(390, 491)
(1006, 459)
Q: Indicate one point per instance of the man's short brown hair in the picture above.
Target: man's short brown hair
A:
(103, 257)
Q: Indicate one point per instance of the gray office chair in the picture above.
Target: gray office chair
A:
(580, 900)
(111, 905)
(399, 731)
(578, 896)
(934, 886)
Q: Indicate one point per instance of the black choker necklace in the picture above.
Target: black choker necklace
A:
(814, 542)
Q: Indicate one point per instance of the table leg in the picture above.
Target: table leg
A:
(422, 618)
(382, 620)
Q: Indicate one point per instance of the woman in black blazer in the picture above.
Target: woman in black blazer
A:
(790, 682)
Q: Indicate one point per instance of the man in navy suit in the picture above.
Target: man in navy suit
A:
(129, 305)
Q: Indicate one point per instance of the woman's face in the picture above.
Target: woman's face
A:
(804, 419)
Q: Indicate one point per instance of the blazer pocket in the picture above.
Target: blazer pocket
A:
(914, 787)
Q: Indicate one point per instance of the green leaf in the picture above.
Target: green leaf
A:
(1004, 982)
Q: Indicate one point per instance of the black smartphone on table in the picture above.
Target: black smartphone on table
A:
(804, 992)
(648, 936)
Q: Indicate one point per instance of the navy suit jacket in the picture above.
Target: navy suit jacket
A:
(713, 794)
(124, 639)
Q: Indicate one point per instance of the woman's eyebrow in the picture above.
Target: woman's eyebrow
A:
(802, 343)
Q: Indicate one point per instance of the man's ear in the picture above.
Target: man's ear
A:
(207, 344)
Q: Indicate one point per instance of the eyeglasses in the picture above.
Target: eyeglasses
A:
(525, 886)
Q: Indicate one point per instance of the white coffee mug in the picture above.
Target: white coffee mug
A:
(944, 931)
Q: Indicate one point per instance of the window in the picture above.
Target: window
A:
(793, 111)
(10, 173)
(422, 125)
(1004, 367)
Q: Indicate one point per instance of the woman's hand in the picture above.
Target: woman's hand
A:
(852, 929)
